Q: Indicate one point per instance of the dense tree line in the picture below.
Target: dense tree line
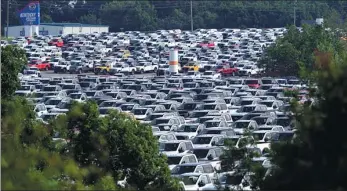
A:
(155, 15)
(295, 54)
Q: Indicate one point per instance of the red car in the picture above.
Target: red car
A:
(207, 44)
(252, 83)
(57, 42)
(226, 70)
(39, 64)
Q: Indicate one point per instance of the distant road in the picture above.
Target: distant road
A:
(51, 74)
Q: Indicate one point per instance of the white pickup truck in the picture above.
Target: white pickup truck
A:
(196, 181)
(143, 67)
(108, 49)
(249, 70)
(62, 66)
(124, 68)
(55, 61)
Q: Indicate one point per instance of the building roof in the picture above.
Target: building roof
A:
(72, 25)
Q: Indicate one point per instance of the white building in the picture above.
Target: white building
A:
(55, 29)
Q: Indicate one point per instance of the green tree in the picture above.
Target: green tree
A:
(130, 15)
(89, 19)
(116, 145)
(281, 60)
(13, 60)
(154, 15)
(316, 158)
(175, 20)
(238, 159)
(30, 157)
(27, 162)
(296, 51)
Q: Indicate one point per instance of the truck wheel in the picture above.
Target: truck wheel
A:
(64, 70)
(132, 72)
(46, 68)
(233, 74)
(80, 71)
(142, 71)
(249, 74)
(155, 70)
(104, 72)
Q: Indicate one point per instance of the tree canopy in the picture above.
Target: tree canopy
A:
(13, 60)
(316, 158)
(115, 144)
(297, 51)
(155, 15)
(92, 152)
(28, 159)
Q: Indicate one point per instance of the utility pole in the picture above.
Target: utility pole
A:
(295, 12)
(191, 15)
(8, 17)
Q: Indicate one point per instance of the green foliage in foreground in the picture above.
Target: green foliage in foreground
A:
(27, 158)
(13, 59)
(98, 153)
(316, 159)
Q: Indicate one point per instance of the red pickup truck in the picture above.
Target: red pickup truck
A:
(39, 64)
(226, 70)
(57, 42)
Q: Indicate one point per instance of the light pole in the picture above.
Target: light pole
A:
(8, 17)
(191, 15)
(295, 12)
